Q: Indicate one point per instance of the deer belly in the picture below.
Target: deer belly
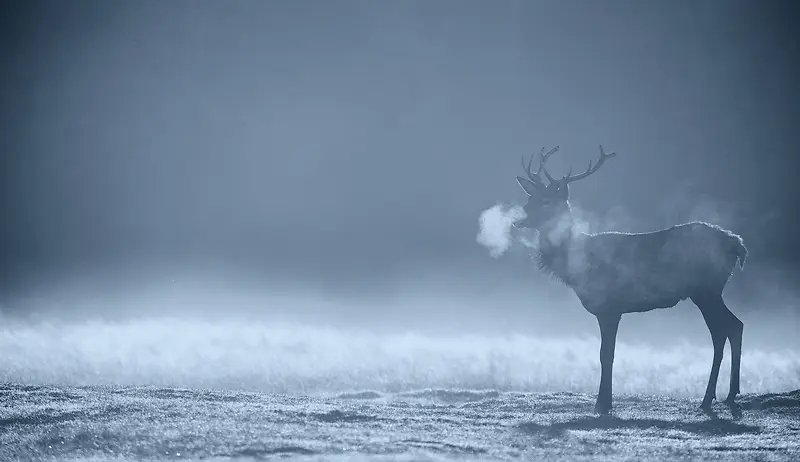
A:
(633, 296)
(655, 293)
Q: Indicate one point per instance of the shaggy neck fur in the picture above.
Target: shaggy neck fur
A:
(556, 242)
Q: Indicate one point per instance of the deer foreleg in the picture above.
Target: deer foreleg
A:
(609, 323)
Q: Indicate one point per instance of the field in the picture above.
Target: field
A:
(104, 423)
(188, 391)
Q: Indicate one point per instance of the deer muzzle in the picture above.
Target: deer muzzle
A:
(523, 223)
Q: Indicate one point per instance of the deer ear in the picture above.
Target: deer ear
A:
(527, 185)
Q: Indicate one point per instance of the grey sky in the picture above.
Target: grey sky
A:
(345, 140)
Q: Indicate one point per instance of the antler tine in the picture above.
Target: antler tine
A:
(531, 176)
(603, 156)
(543, 159)
(535, 176)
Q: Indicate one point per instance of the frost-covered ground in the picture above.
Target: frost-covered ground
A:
(172, 389)
(105, 423)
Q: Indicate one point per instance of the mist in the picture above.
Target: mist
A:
(495, 228)
(184, 182)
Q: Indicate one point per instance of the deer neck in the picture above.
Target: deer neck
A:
(556, 243)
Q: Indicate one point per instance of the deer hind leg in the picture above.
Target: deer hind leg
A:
(735, 328)
(714, 313)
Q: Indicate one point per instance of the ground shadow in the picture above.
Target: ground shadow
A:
(787, 400)
(261, 453)
(711, 427)
(337, 416)
(41, 419)
(786, 403)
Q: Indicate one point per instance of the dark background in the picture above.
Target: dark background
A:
(345, 145)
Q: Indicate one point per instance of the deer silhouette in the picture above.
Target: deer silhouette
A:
(614, 273)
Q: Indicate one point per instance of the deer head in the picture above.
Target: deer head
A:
(549, 203)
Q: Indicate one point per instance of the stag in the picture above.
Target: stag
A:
(615, 273)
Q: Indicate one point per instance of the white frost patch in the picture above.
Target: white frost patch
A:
(291, 358)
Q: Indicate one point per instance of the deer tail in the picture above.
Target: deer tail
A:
(739, 250)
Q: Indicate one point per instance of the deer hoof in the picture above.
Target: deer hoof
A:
(708, 399)
(602, 408)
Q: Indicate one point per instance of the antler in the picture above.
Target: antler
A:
(603, 156)
(534, 177)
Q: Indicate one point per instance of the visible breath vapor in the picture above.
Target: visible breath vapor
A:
(495, 228)
(496, 225)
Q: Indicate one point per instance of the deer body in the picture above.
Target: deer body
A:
(638, 272)
(616, 273)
